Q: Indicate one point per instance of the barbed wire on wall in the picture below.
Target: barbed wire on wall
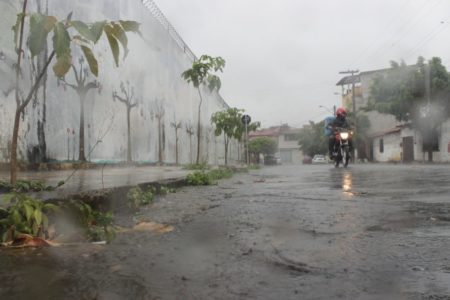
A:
(159, 16)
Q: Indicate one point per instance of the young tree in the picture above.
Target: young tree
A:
(312, 139)
(419, 94)
(129, 100)
(66, 33)
(159, 112)
(190, 132)
(262, 145)
(176, 126)
(202, 73)
(229, 123)
(81, 87)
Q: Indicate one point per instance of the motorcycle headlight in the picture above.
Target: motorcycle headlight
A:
(344, 135)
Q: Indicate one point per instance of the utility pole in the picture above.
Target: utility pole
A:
(353, 72)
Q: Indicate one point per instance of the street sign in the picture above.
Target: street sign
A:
(246, 119)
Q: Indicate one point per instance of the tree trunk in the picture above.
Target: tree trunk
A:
(190, 147)
(81, 156)
(199, 135)
(15, 136)
(160, 159)
(128, 135)
(13, 160)
(41, 123)
(430, 155)
(226, 150)
(176, 147)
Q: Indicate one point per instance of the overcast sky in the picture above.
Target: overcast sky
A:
(283, 57)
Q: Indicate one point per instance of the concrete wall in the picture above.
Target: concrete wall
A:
(444, 142)
(392, 149)
(379, 122)
(291, 147)
(153, 67)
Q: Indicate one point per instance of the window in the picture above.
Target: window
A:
(381, 145)
(291, 137)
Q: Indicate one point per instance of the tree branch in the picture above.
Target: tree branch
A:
(123, 100)
(90, 85)
(76, 75)
(36, 84)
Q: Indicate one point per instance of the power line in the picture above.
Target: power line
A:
(427, 39)
(391, 22)
(414, 21)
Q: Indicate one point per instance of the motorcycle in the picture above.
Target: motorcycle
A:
(342, 147)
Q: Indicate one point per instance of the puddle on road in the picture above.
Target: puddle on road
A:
(443, 231)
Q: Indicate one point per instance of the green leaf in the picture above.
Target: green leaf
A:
(92, 61)
(40, 26)
(16, 217)
(50, 22)
(84, 30)
(38, 216)
(16, 29)
(113, 44)
(28, 211)
(61, 40)
(62, 65)
(97, 30)
(79, 39)
(131, 26)
(45, 222)
(120, 34)
(35, 229)
(50, 207)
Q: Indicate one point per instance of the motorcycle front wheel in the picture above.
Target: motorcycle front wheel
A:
(346, 157)
(338, 158)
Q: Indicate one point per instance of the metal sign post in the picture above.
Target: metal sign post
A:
(246, 120)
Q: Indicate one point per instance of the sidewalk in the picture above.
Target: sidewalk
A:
(91, 179)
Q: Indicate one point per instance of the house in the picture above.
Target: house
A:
(405, 144)
(379, 122)
(287, 140)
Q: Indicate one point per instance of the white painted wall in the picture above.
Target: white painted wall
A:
(153, 66)
(392, 149)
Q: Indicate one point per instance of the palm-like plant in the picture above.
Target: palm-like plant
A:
(202, 73)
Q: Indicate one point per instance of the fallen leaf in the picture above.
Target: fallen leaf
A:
(153, 227)
(26, 240)
(115, 268)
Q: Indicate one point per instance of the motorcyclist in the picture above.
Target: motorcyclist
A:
(339, 122)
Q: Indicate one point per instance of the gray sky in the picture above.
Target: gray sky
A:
(283, 57)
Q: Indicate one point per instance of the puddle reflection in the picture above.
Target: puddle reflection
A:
(347, 184)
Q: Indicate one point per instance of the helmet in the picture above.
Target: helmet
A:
(341, 113)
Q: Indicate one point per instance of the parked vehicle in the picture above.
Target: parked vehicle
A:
(272, 160)
(319, 159)
(307, 160)
(341, 147)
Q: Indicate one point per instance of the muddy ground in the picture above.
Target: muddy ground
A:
(288, 232)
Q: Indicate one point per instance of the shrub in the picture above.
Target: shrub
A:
(199, 178)
(136, 197)
(220, 174)
(25, 215)
(24, 186)
(34, 217)
(202, 166)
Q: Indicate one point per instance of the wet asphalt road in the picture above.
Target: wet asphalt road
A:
(287, 232)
